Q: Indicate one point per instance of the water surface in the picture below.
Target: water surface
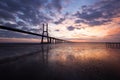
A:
(67, 61)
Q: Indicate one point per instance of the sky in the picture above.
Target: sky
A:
(74, 20)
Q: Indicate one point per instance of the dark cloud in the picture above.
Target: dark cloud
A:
(78, 28)
(93, 14)
(105, 9)
(95, 22)
(57, 4)
(35, 30)
(30, 11)
(11, 25)
(21, 5)
(70, 28)
(119, 23)
(57, 30)
(20, 23)
(59, 21)
(1, 22)
(27, 13)
(113, 37)
(62, 19)
(79, 21)
(6, 15)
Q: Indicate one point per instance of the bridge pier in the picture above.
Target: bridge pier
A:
(54, 41)
(45, 30)
(50, 40)
(113, 45)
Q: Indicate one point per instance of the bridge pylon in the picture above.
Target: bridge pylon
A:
(45, 31)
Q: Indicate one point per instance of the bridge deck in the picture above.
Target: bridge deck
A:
(26, 32)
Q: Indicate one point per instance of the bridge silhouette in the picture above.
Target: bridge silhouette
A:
(45, 30)
(115, 45)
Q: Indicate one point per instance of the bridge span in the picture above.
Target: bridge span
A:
(43, 36)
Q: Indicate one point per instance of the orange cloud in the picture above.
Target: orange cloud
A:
(114, 31)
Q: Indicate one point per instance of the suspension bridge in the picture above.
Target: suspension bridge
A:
(43, 36)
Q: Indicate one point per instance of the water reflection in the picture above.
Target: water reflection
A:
(19, 53)
(69, 61)
(86, 61)
(78, 53)
(45, 52)
(31, 64)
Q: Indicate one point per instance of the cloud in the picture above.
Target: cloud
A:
(28, 13)
(57, 30)
(6, 15)
(57, 4)
(33, 12)
(70, 28)
(20, 23)
(79, 21)
(100, 13)
(62, 19)
(11, 25)
(95, 22)
(114, 31)
(59, 21)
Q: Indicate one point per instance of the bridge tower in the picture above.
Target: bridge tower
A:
(45, 31)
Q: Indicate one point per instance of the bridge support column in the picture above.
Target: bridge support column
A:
(50, 40)
(45, 30)
(53, 41)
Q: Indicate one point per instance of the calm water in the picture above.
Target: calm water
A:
(70, 61)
